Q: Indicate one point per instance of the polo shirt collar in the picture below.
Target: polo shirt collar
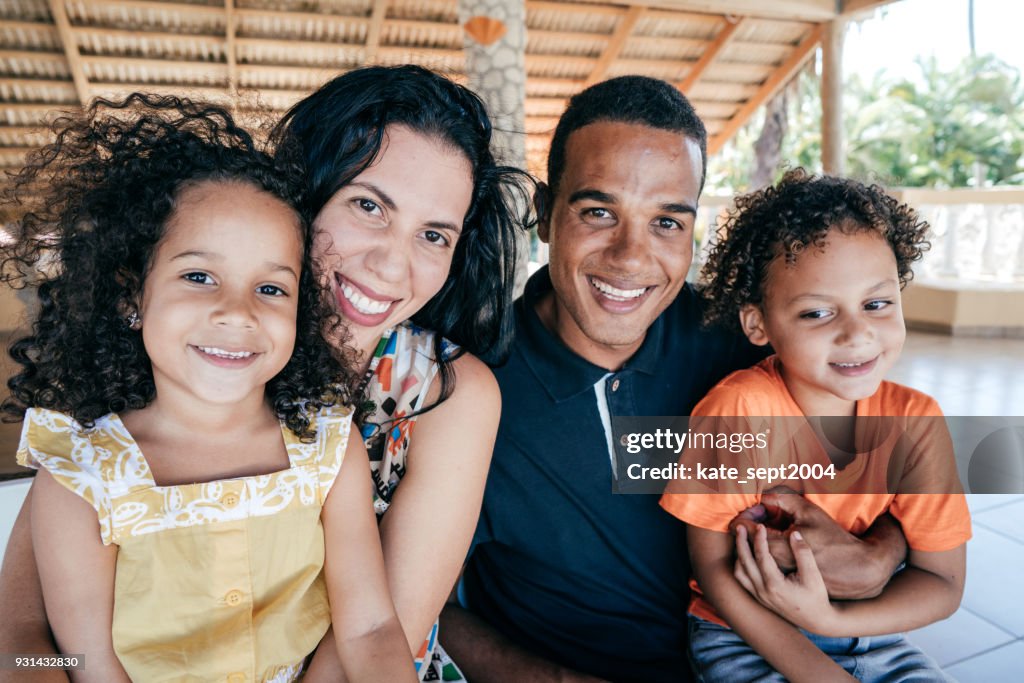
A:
(562, 372)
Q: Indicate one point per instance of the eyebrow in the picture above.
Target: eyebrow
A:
(605, 198)
(880, 285)
(387, 201)
(211, 256)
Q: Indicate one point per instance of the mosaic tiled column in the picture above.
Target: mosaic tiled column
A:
(494, 39)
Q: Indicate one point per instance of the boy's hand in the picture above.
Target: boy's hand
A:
(800, 597)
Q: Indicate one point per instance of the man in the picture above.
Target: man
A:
(567, 581)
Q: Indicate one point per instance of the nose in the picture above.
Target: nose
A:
(630, 248)
(855, 330)
(235, 309)
(389, 258)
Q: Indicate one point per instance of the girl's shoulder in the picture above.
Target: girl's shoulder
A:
(49, 437)
(98, 463)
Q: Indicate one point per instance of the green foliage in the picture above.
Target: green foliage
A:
(940, 130)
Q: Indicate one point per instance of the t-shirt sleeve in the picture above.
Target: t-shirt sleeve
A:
(56, 443)
(698, 501)
(930, 504)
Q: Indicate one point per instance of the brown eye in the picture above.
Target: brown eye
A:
(271, 290)
(435, 237)
(597, 216)
(367, 205)
(199, 278)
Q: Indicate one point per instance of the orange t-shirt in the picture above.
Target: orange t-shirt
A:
(910, 451)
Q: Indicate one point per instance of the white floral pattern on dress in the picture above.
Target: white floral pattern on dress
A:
(105, 467)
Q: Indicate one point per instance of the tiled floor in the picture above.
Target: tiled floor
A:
(984, 640)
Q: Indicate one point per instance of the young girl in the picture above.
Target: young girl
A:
(814, 266)
(198, 497)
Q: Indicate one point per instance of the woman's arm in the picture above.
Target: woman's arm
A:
(24, 628)
(436, 505)
(774, 638)
(369, 638)
(928, 590)
(77, 575)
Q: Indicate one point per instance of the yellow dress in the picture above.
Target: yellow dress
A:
(216, 581)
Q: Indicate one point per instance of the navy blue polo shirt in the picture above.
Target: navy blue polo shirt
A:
(586, 578)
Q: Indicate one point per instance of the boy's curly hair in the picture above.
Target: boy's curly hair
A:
(97, 202)
(787, 218)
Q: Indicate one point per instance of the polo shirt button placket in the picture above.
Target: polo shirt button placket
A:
(615, 385)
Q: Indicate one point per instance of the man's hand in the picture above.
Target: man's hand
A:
(853, 568)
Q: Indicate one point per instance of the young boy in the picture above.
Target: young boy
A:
(814, 266)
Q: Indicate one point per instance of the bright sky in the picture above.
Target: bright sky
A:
(909, 28)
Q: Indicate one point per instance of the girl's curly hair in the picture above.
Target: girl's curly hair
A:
(97, 202)
(787, 218)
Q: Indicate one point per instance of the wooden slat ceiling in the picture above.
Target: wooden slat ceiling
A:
(57, 54)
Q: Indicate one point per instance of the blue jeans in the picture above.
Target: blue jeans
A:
(719, 654)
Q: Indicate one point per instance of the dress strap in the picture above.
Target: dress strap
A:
(333, 427)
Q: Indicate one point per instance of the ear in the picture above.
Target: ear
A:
(752, 322)
(129, 303)
(542, 205)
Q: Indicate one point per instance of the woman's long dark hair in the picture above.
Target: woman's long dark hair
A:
(97, 202)
(340, 129)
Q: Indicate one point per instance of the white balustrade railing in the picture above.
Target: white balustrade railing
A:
(977, 236)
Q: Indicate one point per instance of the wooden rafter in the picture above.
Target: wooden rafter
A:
(791, 10)
(67, 39)
(724, 37)
(380, 11)
(229, 47)
(792, 64)
(615, 44)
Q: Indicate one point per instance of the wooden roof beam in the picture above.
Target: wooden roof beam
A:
(615, 44)
(380, 11)
(724, 37)
(183, 7)
(67, 39)
(793, 63)
(229, 47)
(791, 10)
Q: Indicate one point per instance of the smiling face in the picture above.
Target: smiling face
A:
(835, 320)
(218, 306)
(386, 239)
(620, 231)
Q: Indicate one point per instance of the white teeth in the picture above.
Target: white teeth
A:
(849, 365)
(362, 303)
(614, 292)
(221, 353)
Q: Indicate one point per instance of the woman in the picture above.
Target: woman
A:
(417, 238)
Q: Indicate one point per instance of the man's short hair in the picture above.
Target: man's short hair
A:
(627, 99)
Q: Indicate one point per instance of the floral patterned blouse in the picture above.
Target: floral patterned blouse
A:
(398, 381)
